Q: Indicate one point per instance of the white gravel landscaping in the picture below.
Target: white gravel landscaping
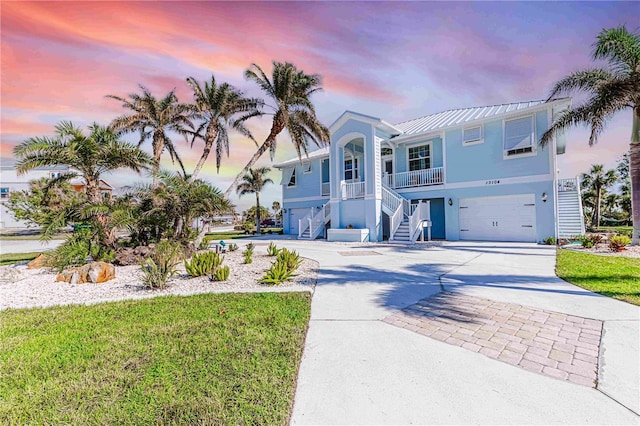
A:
(38, 288)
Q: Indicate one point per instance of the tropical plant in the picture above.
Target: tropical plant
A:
(597, 180)
(154, 119)
(203, 263)
(233, 247)
(619, 242)
(249, 215)
(277, 274)
(609, 91)
(272, 249)
(550, 241)
(248, 254)
(161, 265)
(290, 258)
(88, 156)
(78, 249)
(220, 107)
(277, 210)
(252, 183)
(622, 169)
(289, 91)
(221, 274)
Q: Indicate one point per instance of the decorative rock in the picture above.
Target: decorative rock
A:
(94, 272)
(10, 274)
(37, 263)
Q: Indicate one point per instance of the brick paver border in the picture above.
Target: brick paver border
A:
(562, 346)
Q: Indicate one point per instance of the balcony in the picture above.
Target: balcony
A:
(350, 190)
(426, 177)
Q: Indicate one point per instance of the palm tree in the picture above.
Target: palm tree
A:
(153, 119)
(610, 90)
(88, 156)
(275, 206)
(216, 106)
(597, 180)
(289, 90)
(252, 183)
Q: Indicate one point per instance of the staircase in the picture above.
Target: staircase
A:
(570, 216)
(405, 219)
(312, 225)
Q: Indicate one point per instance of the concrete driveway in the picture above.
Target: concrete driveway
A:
(361, 365)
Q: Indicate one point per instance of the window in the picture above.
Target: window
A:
(386, 151)
(420, 157)
(306, 167)
(4, 193)
(518, 136)
(350, 172)
(472, 135)
(292, 179)
(54, 175)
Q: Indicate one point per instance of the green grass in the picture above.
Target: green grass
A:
(624, 230)
(11, 258)
(232, 235)
(205, 359)
(613, 276)
(31, 237)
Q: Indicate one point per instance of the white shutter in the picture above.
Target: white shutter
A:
(518, 133)
(286, 175)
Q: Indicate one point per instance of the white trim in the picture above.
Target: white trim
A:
(534, 140)
(475, 141)
(444, 157)
(306, 164)
(417, 144)
(293, 173)
(351, 115)
(479, 183)
(300, 199)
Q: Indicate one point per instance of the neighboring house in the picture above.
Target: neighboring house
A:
(466, 174)
(10, 182)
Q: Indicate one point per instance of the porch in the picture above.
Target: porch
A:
(425, 177)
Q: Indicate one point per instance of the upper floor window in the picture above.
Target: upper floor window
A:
(292, 179)
(4, 193)
(306, 167)
(519, 136)
(54, 175)
(420, 157)
(472, 135)
(351, 169)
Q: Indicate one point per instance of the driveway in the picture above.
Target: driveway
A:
(374, 353)
(26, 246)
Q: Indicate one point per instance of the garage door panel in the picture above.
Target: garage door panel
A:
(294, 216)
(507, 218)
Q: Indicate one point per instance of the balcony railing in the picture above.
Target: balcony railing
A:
(434, 176)
(351, 189)
(567, 185)
(326, 188)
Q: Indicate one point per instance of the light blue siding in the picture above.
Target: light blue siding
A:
(307, 185)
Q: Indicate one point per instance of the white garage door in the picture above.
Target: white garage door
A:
(294, 216)
(509, 218)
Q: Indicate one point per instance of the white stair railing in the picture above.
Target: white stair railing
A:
(351, 190)
(568, 185)
(421, 213)
(317, 223)
(425, 177)
(304, 223)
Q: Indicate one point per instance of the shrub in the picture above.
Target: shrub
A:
(233, 247)
(586, 241)
(75, 251)
(290, 258)
(204, 244)
(248, 253)
(277, 274)
(619, 242)
(221, 274)
(550, 241)
(272, 250)
(203, 264)
(161, 266)
(251, 246)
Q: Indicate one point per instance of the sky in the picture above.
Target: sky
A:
(393, 60)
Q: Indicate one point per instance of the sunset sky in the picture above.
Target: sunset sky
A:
(396, 61)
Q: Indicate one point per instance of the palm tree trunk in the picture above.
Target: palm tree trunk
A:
(634, 171)
(158, 147)
(598, 201)
(257, 213)
(211, 136)
(276, 128)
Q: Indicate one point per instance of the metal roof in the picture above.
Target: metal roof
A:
(454, 117)
(318, 153)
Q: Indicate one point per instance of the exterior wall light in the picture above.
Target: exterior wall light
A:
(284, 210)
(450, 202)
(544, 197)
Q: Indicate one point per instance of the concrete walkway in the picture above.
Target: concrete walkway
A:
(359, 369)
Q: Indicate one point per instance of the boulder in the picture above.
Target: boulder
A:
(94, 272)
(39, 262)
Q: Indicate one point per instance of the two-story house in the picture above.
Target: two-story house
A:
(467, 174)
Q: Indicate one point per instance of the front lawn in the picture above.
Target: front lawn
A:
(205, 359)
(617, 277)
(11, 258)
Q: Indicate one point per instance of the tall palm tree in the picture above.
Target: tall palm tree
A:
(153, 119)
(610, 90)
(218, 106)
(289, 91)
(275, 206)
(89, 156)
(597, 180)
(252, 183)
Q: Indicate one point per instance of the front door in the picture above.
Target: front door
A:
(387, 171)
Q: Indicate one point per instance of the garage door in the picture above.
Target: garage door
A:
(294, 216)
(509, 218)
